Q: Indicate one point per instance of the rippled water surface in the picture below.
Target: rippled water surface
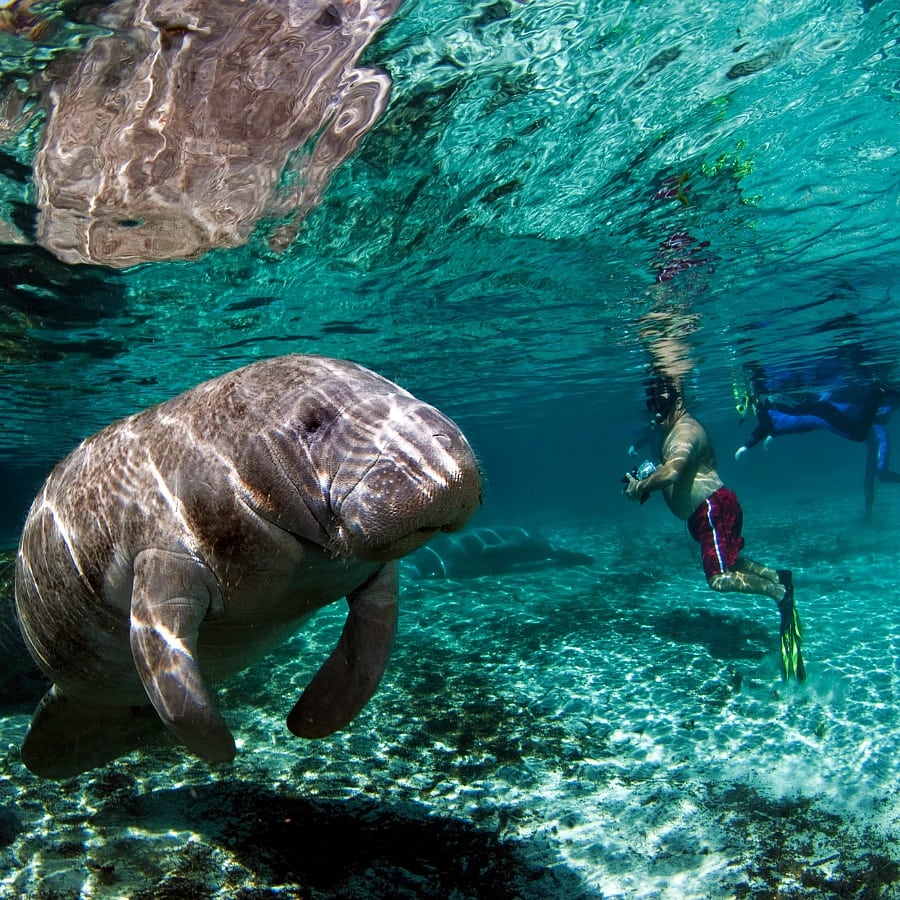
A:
(556, 195)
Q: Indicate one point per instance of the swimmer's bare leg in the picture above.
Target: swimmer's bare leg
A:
(744, 581)
(749, 577)
(745, 564)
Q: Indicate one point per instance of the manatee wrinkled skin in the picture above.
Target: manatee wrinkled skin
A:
(179, 545)
(191, 120)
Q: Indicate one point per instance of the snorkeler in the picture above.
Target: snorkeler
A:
(694, 492)
(648, 439)
(848, 412)
(856, 412)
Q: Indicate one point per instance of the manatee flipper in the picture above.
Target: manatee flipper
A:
(348, 678)
(171, 595)
(67, 737)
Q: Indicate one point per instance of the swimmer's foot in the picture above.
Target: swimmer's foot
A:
(791, 631)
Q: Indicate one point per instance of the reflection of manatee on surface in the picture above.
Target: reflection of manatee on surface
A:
(178, 546)
(177, 131)
(491, 551)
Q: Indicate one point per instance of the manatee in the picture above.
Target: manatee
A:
(179, 545)
(186, 122)
(491, 551)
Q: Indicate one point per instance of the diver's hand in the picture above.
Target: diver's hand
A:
(632, 451)
(741, 451)
(768, 441)
(633, 487)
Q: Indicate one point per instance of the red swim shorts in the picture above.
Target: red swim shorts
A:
(716, 524)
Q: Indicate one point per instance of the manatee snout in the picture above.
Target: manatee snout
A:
(426, 479)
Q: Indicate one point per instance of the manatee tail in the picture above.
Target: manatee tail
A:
(67, 737)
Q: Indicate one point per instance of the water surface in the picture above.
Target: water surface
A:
(554, 190)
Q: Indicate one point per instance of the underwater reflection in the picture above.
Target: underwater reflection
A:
(187, 122)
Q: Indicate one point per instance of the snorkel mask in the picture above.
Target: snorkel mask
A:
(662, 397)
(744, 401)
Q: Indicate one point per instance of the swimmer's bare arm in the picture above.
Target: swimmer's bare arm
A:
(682, 447)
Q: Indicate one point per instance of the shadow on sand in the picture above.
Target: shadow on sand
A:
(726, 637)
(357, 847)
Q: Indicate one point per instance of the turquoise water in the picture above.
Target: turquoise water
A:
(505, 245)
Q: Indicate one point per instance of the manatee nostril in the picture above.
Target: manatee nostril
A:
(329, 18)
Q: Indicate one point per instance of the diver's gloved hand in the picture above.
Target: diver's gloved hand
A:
(768, 441)
(740, 452)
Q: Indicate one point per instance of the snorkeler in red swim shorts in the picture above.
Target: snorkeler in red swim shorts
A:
(694, 492)
(716, 525)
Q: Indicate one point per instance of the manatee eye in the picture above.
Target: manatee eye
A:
(329, 17)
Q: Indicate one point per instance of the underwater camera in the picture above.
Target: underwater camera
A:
(644, 470)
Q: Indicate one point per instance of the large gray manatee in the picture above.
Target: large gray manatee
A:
(190, 120)
(176, 547)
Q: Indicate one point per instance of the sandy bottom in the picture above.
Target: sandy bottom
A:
(608, 731)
